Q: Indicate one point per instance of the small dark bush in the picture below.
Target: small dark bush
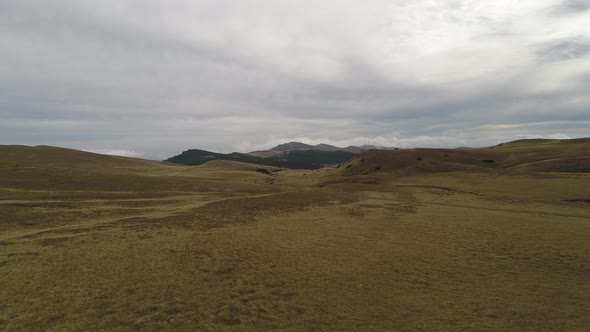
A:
(263, 170)
(362, 160)
(489, 161)
(377, 168)
(419, 158)
(446, 156)
(349, 166)
(572, 200)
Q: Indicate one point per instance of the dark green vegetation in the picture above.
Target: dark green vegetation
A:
(296, 159)
(387, 242)
(293, 155)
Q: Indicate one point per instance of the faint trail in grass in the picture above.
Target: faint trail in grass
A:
(509, 210)
(545, 160)
(92, 225)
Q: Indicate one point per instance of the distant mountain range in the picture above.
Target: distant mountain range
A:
(281, 148)
(289, 155)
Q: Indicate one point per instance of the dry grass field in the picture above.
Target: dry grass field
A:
(469, 239)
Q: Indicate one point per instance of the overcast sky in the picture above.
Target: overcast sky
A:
(152, 78)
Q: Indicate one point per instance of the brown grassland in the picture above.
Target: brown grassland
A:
(425, 239)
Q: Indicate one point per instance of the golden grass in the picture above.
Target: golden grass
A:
(114, 244)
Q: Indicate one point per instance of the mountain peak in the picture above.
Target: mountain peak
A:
(290, 146)
(327, 146)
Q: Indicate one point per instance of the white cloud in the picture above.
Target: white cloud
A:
(122, 153)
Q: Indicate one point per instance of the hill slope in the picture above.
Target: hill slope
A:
(43, 167)
(519, 156)
(31, 156)
(45, 171)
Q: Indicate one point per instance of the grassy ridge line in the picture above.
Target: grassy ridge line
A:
(296, 159)
(565, 156)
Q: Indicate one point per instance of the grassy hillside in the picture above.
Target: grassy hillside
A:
(103, 243)
(28, 156)
(520, 156)
(45, 171)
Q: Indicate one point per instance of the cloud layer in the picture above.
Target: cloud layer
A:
(156, 77)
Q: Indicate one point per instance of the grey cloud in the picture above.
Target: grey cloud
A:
(571, 7)
(157, 77)
(562, 50)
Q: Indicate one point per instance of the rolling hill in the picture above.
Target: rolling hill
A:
(296, 159)
(570, 156)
